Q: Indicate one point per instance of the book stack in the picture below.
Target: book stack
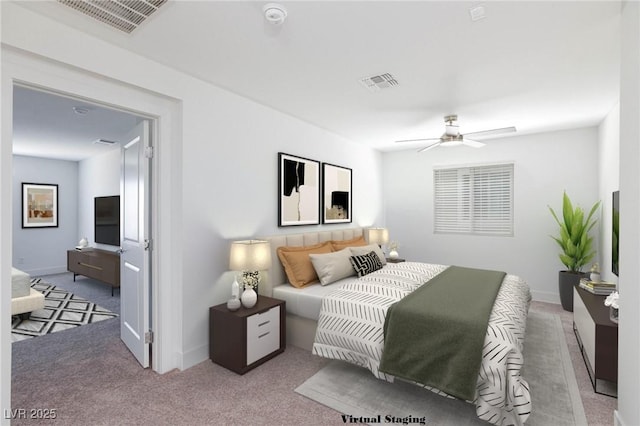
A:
(598, 287)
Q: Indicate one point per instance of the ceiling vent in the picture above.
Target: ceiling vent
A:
(378, 82)
(125, 15)
(104, 142)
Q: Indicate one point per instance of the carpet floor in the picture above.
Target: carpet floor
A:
(88, 377)
(355, 392)
(62, 311)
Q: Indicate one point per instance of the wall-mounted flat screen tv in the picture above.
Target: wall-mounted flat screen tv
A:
(615, 231)
(107, 220)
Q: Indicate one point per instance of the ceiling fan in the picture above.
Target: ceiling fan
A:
(453, 137)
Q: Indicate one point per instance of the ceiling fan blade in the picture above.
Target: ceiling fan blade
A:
(418, 140)
(472, 143)
(484, 133)
(427, 148)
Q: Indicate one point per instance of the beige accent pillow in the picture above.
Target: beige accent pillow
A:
(359, 251)
(297, 264)
(332, 267)
(340, 244)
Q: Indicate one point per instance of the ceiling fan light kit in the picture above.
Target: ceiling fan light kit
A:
(452, 136)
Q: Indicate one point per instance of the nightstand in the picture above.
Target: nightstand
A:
(246, 338)
(396, 260)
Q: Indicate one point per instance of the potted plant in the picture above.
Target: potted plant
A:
(576, 245)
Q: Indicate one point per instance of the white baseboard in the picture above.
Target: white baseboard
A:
(45, 271)
(617, 421)
(545, 296)
(193, 357)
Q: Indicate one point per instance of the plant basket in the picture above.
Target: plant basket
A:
(566, 281)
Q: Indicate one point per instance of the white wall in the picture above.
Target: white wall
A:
(545, 165)
(98, 176)
(609, 181)
(231, 187)
(226, 148)
(41, 251)
(629, 333)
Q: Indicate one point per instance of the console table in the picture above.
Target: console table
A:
(101, 265)
(598, 340)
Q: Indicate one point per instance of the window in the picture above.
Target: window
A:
(474, 200)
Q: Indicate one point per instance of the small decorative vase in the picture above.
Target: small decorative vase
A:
(233, 304)
(595, 277)
(235, 289)
(249, 298)
(613, 314)
(393, 254)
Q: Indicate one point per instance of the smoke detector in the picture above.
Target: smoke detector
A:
(274, 13)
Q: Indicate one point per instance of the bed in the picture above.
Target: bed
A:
(320, 318)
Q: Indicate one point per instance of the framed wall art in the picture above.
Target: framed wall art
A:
(336, 194)
(39, 205)
(298, 190)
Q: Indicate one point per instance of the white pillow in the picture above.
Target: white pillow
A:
(360, 250)
(333, 266)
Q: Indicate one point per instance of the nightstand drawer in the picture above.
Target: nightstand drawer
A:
(244, 339)
(263, 334)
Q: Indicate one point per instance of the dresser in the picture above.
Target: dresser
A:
(101, 265)
(242, 340)
(598, 340)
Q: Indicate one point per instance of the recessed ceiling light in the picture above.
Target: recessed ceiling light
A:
(80, 110)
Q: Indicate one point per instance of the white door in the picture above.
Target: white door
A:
(135, 246)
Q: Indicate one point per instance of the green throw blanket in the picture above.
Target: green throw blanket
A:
(435, 335)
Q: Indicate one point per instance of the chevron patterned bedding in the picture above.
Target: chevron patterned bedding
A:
(350, 328)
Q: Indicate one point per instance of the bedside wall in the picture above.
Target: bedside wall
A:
(41, 251)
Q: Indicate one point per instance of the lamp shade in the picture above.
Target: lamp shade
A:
(378, 236)
(250, 255)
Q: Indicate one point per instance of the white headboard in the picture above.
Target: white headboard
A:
(275, 275)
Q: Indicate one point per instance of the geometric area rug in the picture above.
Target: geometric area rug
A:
(62, 311)
(360, 397)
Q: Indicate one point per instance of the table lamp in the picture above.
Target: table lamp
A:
(250, 257)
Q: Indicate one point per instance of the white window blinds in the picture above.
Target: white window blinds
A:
(474, 200)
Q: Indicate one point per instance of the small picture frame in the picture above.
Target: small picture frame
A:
(39, 205)
(336, 194)
(298, 190)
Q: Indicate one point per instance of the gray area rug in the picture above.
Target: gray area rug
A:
(62, 311)
(354, 391)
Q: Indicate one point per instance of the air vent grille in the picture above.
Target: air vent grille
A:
(125, 15)
(104, 142)
(379, 82)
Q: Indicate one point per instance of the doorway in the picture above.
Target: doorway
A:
(78, 146)
(37, 72)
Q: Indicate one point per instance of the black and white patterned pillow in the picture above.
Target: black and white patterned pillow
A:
(366, 263)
